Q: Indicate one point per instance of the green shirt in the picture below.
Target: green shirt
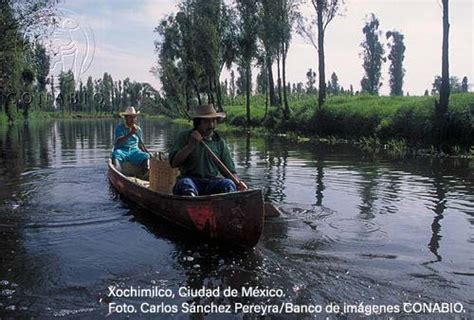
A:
(200, 163)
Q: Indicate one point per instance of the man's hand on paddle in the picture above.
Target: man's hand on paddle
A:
(195, 138)
(241, 186)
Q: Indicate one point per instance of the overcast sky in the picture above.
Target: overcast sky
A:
(116, 36)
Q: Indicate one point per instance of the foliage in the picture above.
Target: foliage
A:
(21, 60)
(464, 85)
(373, 57)
(396, 56)
(455, 86)
(333, 85)
(311, 76)
(196, 43)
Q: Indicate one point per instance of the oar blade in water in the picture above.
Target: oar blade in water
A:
(271, 211)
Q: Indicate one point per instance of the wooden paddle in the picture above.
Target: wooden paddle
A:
(270, 209)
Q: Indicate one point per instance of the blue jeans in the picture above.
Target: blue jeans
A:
(203, 186)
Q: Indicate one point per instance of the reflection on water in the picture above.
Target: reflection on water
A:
(355, 228)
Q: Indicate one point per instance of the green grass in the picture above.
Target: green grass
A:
(407, 119)
(396, 123)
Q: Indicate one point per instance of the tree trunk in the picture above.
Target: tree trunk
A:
(8, 111)
(285, 97)
(210, 97)
(322, 76)
(197, 92)
(219, 96)
(271, 83)
(186, 97)
(279, 80)
(445, 89)
(247, 89)
(266, 106)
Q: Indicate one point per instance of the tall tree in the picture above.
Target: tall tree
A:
(18, 20)
(194, 47)
(205, 15)
(66, 95)
(442, 104)
(90, 95)
(26, 96)
(373, 56)
(42, 64)
(10, 67)
(396, 57)
(262, 81)
(311, 76)
(53, 93)
(247, 43)
(176, 68)
(232, 85)
(268, 23)
(228, 50)
(241, 82)
(464, 85)
(336, 88)
(287, 16)
(325, 10)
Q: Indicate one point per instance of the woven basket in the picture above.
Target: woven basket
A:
(162, 176)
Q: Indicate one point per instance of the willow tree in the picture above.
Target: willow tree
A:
(195, 45)
(19, 21)
(248, 23)
(326, 11)
(176, 72)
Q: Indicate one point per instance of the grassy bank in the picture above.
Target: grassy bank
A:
(401, 124)
(408, 119)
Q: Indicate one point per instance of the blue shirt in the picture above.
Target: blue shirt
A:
(132, 142)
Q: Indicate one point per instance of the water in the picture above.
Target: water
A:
(355, 229)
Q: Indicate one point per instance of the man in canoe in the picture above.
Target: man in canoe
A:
(128, 143)
(199, 171)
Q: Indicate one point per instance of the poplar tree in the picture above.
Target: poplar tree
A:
(396, 57)
(464, 85)
(373, 56)
(247, 44)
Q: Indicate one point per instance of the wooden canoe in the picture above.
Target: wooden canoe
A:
(232, 218)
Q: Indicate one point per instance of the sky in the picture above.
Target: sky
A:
(117, 36)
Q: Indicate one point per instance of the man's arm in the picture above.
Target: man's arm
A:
(181, 156)
(122, 139)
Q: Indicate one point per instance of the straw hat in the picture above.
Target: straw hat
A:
(207, 111)
(130, 111)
